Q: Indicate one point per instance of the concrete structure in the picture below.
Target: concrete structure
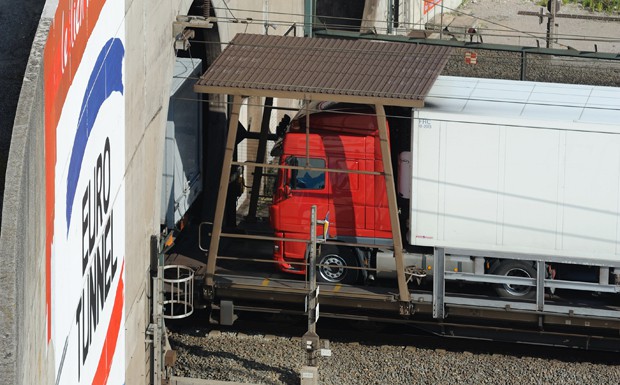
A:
(404, 15)
(48, 321)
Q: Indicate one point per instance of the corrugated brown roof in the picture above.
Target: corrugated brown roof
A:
(359, 71)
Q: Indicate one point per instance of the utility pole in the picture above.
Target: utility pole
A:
(552, 6)
(552, 15)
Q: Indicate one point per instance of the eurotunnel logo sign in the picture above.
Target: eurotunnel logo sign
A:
(85, 193)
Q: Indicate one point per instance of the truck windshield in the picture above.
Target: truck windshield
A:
(306, 179)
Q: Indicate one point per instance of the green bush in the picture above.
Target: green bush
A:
(595, 5)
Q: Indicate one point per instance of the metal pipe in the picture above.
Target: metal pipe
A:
(309, 10)
(257, 260)
(439, 284)
(312, 305)
(300, 240)
(310, 340)
(307, 102)
(523, 65)
(390, 17)
(540, 285)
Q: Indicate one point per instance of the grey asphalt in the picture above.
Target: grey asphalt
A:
(18, 24)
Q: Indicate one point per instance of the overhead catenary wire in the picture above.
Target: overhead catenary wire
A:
(489, 55)
(503, 53)
(486, 32)
(444, 96)
(496, 57)
(409, 95)
(339, 91)
(229, 10)
(470, 48)
(536, 36)
(447, 97)
(533, 35)
(406, 25)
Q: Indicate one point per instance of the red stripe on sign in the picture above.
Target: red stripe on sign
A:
(111, 338)
(73, 24)
(430, 4)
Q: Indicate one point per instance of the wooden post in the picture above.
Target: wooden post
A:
(403, 291)
(223, 190)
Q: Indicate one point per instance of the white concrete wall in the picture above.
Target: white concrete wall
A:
(281, 14)
(413, 14)
(419, 13)
(26, 358)
(148, 72)
(260, 12)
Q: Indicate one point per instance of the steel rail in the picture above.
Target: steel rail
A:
(458, 44)
(462, 305)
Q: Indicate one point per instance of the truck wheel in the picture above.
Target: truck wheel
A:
(335, 260)
(516, 269)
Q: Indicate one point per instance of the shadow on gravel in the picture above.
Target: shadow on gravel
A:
(284, 375)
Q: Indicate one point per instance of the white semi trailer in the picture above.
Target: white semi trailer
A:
(508, 177)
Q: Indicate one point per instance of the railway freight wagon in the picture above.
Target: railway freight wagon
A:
(507, 178)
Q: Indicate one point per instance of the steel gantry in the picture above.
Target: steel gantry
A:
(311, 69)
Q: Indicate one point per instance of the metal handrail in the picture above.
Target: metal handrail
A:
(181, 292)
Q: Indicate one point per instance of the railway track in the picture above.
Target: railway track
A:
(379, 333)
(251, 281)
(267, 349)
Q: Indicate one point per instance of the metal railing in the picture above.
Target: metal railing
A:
(179, 287)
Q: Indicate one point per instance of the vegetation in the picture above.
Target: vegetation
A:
(594, 5)
(602, 5)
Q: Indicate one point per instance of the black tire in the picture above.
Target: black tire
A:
(515, 269)
(336, 260)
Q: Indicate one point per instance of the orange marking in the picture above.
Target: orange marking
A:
(109, 346)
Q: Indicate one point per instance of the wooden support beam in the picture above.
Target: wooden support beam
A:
(319, 95)
(223, 190)
(403, 291)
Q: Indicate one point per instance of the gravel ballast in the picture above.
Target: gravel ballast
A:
(498, 22)
(260, 359)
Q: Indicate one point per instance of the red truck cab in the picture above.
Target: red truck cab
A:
(341, 137)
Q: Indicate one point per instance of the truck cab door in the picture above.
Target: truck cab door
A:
(300, 189)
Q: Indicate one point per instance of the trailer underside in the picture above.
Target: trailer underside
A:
(246, 280)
